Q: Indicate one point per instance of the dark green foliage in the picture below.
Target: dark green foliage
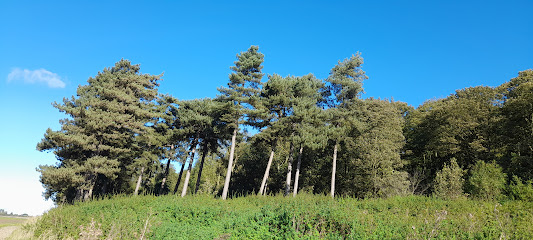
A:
(373, 145)
(345, 82)
(516, 125)
(459, 126)
(244, 85)
(105, 139)
(240, 96)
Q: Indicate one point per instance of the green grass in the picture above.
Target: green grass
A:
(278, 217)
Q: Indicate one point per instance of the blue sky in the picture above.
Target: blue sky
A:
(413, 51)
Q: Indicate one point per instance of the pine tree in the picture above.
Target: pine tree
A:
(306, 120)
(243, 89)
(195, 121)
(344, 85)
(103, 139)
(271, 116)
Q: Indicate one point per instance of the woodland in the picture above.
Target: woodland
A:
(288, 135)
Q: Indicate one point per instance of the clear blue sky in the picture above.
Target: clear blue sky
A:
(413, 51)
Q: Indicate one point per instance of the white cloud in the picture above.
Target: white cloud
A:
(36, 76)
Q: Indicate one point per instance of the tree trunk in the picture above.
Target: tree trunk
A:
(165, 177)
(166, 173)
(87, 195)
(289, 171)
(188, 175)
(205, 150)
(333, 169)
(297, 174)
(139, 181)
(179, 177)
(267, 170)
(181, 171)
(230, 165)
(90, 193)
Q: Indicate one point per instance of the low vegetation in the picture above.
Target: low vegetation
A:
(278, 217)
(12, 220)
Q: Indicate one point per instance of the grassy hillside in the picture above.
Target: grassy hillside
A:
(307, 216)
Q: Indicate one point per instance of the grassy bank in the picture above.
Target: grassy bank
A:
(307, 216)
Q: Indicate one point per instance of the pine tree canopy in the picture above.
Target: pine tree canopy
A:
(121, 136)
(103, 135)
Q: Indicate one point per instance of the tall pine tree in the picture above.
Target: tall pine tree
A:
(101, 141)
(243, 89)
(344, 85)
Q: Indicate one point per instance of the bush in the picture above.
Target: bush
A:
(449, 181)
(278, 217)
(487, 181)
(520, 191)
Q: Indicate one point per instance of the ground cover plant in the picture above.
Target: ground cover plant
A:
(278, 217)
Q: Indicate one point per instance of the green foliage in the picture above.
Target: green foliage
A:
(304, 217)
(118, 129)
(516, 125)
(487, 181)
(449, 181)
(240, 97)
(459, 126)
(105, 138)
(244, 85)
(345, 81)
(373, 149)
(519, 190)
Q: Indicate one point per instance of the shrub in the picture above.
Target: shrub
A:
(278, 217)
(449, 181)
(487, 181)
(521, 191)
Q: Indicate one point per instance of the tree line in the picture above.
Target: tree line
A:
(285, 135)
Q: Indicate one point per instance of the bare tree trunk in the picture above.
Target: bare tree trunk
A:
(289, 171)
(139, 182)
(188, 175)
(165, 177)
(267, 170)
(166, 173)
(297, 174)
(179, 177)
(218, 181)
(333, 170)
(230, 165)
(87, 195)
(181, 171)
(205, 150)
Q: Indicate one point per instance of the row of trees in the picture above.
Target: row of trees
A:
(487, 132)
(121, 136)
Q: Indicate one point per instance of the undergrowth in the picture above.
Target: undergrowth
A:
(278, 217)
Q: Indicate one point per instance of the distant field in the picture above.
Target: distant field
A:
(12, 221)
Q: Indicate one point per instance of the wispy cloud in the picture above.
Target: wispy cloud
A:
(36, 76)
